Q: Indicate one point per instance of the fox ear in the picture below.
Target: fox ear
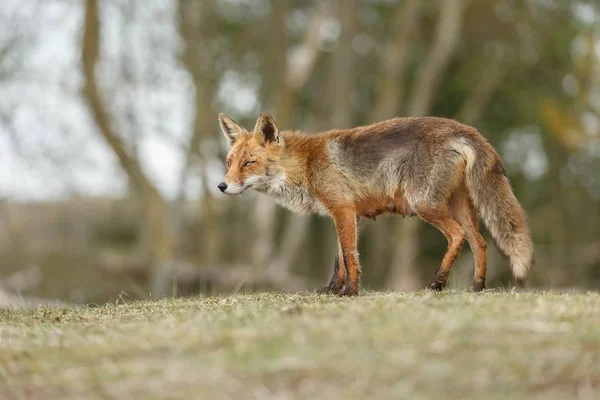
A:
(267, 129)
(231, 129)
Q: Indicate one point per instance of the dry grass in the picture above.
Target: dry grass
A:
(422, 345)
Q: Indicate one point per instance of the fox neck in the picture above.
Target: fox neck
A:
(289, 184)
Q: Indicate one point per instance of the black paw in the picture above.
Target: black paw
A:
(437, 285)
(477, 286)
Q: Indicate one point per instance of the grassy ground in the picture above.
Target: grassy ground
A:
(452, 345)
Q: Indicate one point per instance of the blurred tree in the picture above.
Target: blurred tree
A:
(526, 74)
(156, 244)
(197, 28)
(288, 82)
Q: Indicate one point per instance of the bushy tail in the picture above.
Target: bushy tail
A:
(500, 210)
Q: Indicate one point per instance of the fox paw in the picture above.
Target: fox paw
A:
(477, 286)
(437, 285)
(349, 291)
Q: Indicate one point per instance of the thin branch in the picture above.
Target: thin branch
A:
(342, 76)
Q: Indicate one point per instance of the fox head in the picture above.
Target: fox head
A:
(253, 157)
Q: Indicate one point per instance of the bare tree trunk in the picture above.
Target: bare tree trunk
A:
(342, 72)
(433, 67)
(290, 80)
(292, 240)
(264, 217)
(284, 95)
(297, 227)
(404, 276)
(191, 19)
(195, 26)
(265, 210)
(155, 242)
(394, 61)
(404, 273)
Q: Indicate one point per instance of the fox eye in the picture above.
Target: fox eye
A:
(248, 163)
(229, 163)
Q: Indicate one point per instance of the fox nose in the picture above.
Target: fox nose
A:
(222, 186)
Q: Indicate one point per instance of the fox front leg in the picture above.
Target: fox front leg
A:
(346, 225)
(338, 279)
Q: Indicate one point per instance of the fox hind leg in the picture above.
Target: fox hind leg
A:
(433, 181)
(462, 210)
(455, 235)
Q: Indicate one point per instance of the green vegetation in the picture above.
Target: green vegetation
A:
(389, 345)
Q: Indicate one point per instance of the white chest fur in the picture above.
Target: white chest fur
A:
(295, 198)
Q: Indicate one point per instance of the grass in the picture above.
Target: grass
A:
(452, 345)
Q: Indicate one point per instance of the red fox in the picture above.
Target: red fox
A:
(439, 169)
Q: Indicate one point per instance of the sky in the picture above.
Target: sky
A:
(51, 149)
